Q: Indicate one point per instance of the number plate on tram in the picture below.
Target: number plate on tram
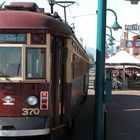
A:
(30, 111)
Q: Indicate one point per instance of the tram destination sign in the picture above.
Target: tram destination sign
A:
(132, 27)
(13, 38)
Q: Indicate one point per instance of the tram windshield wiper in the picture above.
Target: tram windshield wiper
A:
(19, 66)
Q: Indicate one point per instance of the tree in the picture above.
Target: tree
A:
(91, 58)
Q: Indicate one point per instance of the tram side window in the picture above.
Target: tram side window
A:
(10, 61)
(35, 63)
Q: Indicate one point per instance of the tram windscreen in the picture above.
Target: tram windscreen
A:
(36, 63)
(10, 61)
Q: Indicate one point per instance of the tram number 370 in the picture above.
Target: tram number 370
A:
(30, 111)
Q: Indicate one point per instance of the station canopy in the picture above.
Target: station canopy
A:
(122, 58)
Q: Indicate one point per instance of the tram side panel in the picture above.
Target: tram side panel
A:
(77, 82)
(47, 92)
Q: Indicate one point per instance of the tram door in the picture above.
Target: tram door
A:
(58, 80)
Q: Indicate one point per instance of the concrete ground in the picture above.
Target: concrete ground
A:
(122, 117)
(84, 120)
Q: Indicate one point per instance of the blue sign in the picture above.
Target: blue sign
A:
(137, 44)
(132, 27)
(129, 44)
(15, 38)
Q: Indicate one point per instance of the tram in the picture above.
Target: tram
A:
(43, 72)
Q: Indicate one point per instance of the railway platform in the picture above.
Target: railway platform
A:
(122, 117)
(84, 120)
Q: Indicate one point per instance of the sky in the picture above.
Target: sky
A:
(83, 15)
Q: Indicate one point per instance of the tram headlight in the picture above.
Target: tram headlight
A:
(32, 100)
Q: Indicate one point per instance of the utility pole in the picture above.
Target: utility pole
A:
(51, 2)
(100, 72)
(65, 4)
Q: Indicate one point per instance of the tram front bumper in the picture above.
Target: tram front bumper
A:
(23, 126)
(23, 133)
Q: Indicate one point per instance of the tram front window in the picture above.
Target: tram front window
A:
(10, 61)
(35, 63)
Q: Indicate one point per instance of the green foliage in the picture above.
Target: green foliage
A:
(91, 59)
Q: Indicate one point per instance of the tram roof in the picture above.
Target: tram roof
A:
(18, 19)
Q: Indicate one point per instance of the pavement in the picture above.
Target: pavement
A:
(122, 117)
(84, 120)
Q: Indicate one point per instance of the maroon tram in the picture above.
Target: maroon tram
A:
(43, 72)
